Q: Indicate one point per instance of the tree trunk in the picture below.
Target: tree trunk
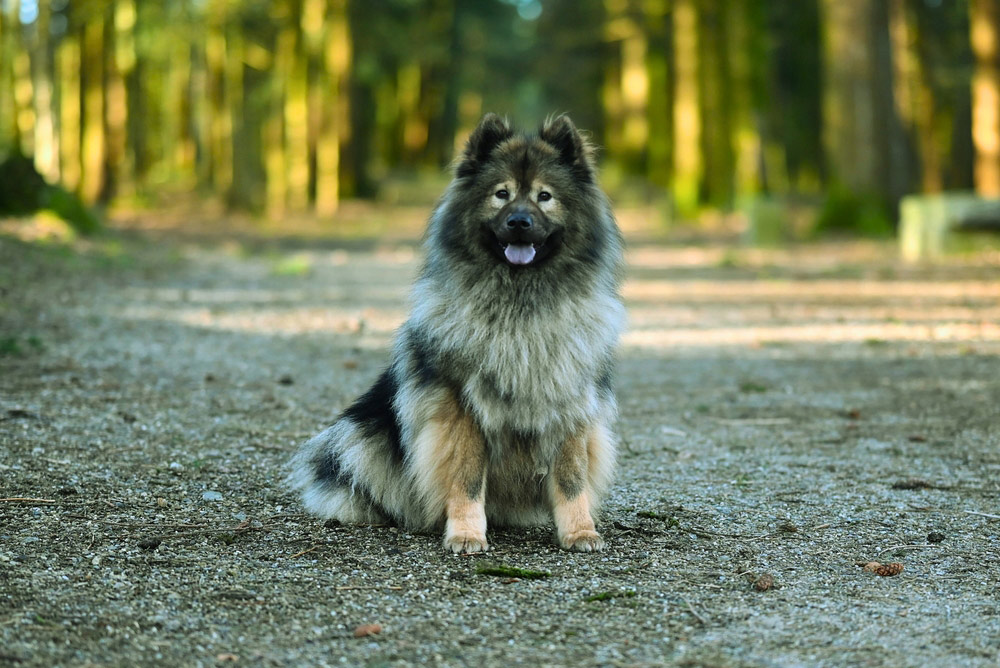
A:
(716, 103)
(69, 108)
(849, 103)
(862, 136)
(275, 162)
(914, 97)
(120, 164)
(93, 147)
(24, 92)
(46, 137)
(244, 85)
(296, 112)
(659, 150)
(219, 126)
(745, 54)
(687, 112)
(8, 123)
(984, 20)
(332, 108)
(635, 97)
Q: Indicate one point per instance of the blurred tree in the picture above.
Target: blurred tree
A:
(747, 55)
(569, 56)
(290, 105)
(46, 145)
(688, 159)
(93, 147)
(984, 20)
(914, 97)
(862, 136)
(715, 87)
(792, 154)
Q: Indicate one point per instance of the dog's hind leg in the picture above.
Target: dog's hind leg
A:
(572, 487)
(450, 465)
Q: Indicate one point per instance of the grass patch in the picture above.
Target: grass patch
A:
(12, 346)
(295, 265)
(500, 570)
(9, 347)
(608, 595)
(751, 387)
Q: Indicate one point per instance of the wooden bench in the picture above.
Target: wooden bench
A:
(927, 223)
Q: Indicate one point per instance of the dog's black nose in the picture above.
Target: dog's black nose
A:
(519, 219)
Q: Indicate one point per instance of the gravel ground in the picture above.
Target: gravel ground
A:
(790, 413)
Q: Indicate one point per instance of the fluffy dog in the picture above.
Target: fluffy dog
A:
(497, 405)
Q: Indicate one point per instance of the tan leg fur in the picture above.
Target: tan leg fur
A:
(451, 459)
(571, 494)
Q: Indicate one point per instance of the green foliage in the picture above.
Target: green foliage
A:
(24, 192)
(752, 387)
(11, 346)
(846, 213)
(68, 207)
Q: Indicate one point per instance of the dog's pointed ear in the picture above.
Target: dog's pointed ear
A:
(491, 131)
(574, 150)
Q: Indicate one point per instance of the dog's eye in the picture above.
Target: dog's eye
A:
(502, 194)
(544, 196)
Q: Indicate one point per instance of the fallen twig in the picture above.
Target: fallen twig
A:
(705, 533)
(389, 587)
(761, 421)
(307, 551)
(138, 525)
(973, 512)
(26, 499)
(906, 547)
(694, 612)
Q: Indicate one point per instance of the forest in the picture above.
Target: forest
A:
(295, 105)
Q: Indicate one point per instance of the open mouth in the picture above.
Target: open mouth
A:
(521, 253)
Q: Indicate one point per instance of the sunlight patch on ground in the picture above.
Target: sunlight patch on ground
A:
(811, 333)
(837, 290)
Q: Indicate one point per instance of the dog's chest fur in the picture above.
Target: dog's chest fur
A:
(526, 363)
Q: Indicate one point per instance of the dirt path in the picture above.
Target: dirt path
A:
(782, 413)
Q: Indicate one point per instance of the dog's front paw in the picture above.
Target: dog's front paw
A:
(466, 543)
(585, 540)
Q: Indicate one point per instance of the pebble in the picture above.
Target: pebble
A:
(212, 496)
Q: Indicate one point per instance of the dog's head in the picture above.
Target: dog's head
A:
(525, 199)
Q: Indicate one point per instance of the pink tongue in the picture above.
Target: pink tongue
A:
(519, 253)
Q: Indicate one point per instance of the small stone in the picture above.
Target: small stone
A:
(161, 502)
(212, 496)
(935, 537)
(149, 543)
(764, 582)
(367, 630)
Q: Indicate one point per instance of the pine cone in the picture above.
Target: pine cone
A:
(764, 582)
(888, 570)
(885, 570)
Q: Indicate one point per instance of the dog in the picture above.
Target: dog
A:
(497, 405)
